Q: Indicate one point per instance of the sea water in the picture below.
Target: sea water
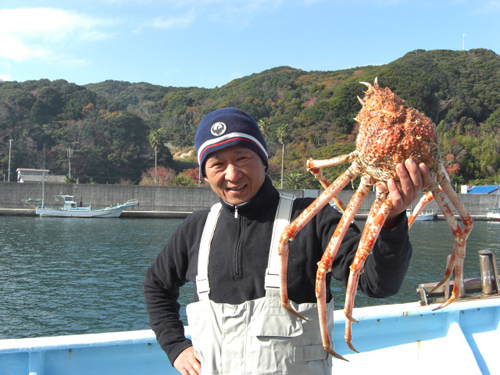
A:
(73, 276)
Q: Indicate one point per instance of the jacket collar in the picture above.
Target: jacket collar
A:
(265, 197)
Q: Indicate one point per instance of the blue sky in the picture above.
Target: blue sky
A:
(208, 43)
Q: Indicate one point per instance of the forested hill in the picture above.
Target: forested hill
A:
(111, 126)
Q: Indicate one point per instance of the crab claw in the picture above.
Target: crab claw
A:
(338, 356)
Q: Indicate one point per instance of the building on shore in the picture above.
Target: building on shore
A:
(483, 189)
(38, 175)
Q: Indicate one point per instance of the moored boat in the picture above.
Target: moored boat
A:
(493, 216)
(70, 208)
(424, 215)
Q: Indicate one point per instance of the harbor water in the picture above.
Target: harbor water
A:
(76, 276)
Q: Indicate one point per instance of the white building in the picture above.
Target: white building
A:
(38, 175)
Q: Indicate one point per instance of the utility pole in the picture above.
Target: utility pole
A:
(10, 148)
(282, 161)
(70, 154)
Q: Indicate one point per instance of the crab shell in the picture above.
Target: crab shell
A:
(391, 132)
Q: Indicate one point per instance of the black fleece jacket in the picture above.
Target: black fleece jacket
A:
(239, 257)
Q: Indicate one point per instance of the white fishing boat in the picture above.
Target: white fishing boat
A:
(70, 208)
(409, 338)
(424, 215)
(494, 214)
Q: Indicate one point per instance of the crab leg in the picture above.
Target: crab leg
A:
(315, 165)
(318, 174)
(325, 265)
(460, 235)
(376, 219)
(291, 230)
(316, 168)
(426, 198)
(459, 244)
(457, 203)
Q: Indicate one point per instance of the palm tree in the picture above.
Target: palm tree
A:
(156, 139)
(295, 181)
(282, 135)
(264, 128)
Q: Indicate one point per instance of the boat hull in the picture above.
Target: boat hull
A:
(493, 216)
(426, 217)
(405, 338)
(78, 213)
(84, 212)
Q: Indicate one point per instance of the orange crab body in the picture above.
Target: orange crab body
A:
(389, 133)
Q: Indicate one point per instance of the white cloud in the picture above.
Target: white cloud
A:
(49, 23)
(173, 22)
(5, 77)
(488, 6)
(15, 50)
(183, 13)
(29, 33)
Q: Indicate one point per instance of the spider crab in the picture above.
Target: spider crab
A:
(390, 132)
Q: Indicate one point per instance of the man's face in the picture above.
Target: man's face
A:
(235, 174)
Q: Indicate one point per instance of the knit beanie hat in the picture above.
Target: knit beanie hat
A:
(228, 127)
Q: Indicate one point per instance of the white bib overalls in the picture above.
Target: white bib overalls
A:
(257, 336)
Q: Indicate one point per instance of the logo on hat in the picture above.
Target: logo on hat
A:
(218, 129)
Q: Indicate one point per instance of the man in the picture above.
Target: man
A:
(226, 254)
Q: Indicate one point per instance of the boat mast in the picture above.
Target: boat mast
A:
(43, 178)
(43, 188)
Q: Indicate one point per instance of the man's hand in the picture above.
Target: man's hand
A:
(187, 362)
(413, 178)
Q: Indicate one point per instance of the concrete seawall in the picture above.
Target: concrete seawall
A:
(154, 201)
(167, 201)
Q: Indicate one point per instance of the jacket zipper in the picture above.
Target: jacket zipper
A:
(237, 251)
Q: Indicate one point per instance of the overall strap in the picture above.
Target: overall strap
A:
(202, 284)
(283, 215)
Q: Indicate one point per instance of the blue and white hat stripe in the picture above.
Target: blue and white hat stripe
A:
(227, 138)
